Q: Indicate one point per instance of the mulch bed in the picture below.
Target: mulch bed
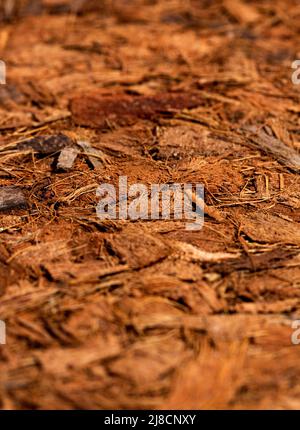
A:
(146, 314)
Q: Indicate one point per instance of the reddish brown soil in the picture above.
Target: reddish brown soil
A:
(145, 314)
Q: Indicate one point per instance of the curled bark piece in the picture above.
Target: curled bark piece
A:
(66, 158)
(12, 197)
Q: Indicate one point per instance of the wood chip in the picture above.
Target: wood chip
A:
(97, 110)
(46, 144)
(94, 155)
(193, 253)
(12, 197)
(66, 158)
(284, 154)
